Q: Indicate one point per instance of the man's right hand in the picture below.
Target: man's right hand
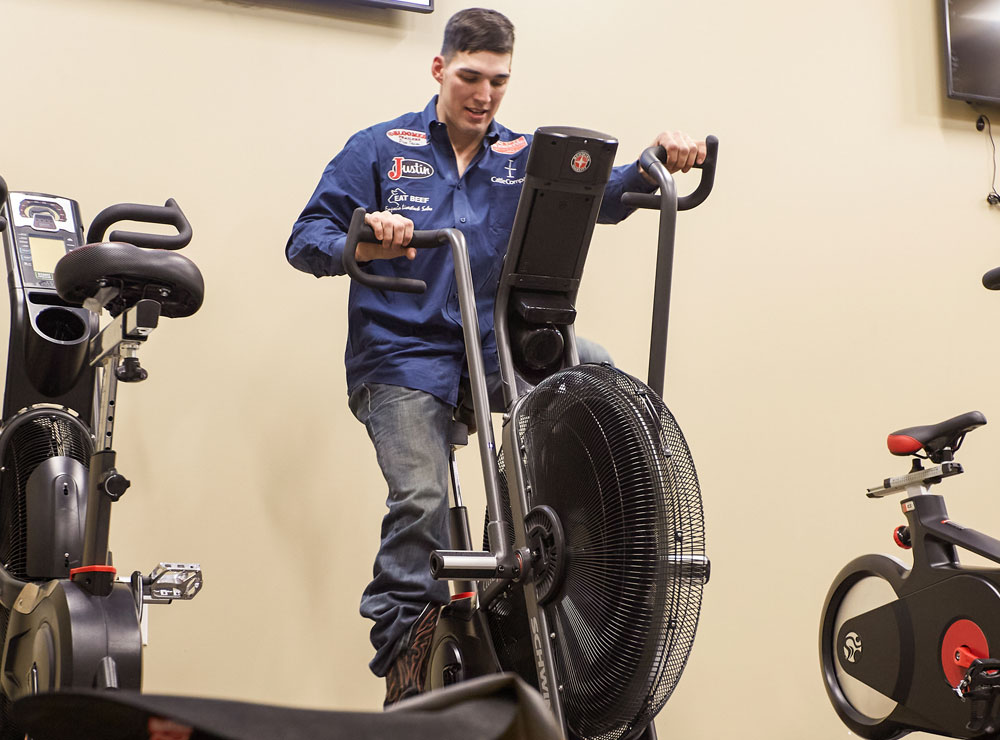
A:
(393, 231)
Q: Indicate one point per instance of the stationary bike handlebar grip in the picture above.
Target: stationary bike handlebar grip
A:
(358, 231)
(991, 280)
(3, 199)
(657, 155)
(169, 214)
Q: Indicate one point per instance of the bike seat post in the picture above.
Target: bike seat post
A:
(105, 484)
(458, 515)
(106, 403)
(458, 437)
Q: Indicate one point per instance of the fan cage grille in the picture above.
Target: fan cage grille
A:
(609, 457)
(28, 441)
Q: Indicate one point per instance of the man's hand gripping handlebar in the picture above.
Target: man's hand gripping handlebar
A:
(652, 161)
(358, 231)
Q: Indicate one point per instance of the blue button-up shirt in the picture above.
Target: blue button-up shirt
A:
(407, 165)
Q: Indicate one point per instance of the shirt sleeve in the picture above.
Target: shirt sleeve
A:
(626, 178)
(316, 244)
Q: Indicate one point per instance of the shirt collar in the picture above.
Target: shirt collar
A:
(432, 124)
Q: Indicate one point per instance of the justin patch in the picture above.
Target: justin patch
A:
(510, 147)
(407, 137)
(413, 169)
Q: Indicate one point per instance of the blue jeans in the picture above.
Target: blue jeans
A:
(410, 432)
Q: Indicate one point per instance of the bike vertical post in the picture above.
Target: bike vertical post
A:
(98, 522)
(480, 396)
(664, 277)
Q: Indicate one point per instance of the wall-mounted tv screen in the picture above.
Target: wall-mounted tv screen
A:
(972, 49)
(421, 6)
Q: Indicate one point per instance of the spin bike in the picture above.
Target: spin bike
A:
(66, 620)
(589, 584)
(905, 649)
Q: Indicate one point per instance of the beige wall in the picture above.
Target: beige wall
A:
(828, 293)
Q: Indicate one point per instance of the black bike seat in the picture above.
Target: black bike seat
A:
(172, 280)
(933, 439)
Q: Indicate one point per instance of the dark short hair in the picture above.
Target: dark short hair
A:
(478, 29)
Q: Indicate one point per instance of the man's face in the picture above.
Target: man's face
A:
(472, 86)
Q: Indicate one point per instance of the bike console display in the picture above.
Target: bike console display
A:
(44, 228)
(568, 169)
(48, 340)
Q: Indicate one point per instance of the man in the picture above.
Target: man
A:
(450, 165)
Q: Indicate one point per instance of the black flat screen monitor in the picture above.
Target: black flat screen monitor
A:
(972, 49)
(421, 6)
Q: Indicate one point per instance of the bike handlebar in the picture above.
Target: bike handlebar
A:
(991, 280)
(655, 157)
(3, 199)
(358, 231)
(169, 214)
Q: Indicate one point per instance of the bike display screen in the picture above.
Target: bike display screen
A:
(45, 252)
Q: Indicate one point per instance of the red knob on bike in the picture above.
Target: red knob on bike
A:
(901, 536)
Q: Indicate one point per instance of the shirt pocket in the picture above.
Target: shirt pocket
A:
(503, 206)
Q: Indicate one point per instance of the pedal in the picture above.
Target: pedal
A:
(981, 685)
(170, 581)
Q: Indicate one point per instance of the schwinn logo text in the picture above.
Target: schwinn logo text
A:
(413, 169)
(543, 678)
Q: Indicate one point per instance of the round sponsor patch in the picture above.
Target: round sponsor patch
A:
(407, 137)
(580, 161)
(510, 147)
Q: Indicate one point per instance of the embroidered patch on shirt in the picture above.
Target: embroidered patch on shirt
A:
(400, 200)
(407, 137)
(510, 147)
(414, 169)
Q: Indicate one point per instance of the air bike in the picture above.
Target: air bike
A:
(67, 621)
(590, 581)
(918, 648)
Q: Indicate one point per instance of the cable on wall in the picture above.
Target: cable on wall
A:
(993, 197)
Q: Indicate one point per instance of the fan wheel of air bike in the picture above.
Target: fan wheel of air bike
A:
(615, 513)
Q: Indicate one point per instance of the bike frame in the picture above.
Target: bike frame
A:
(934, 599)
(72, 623)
